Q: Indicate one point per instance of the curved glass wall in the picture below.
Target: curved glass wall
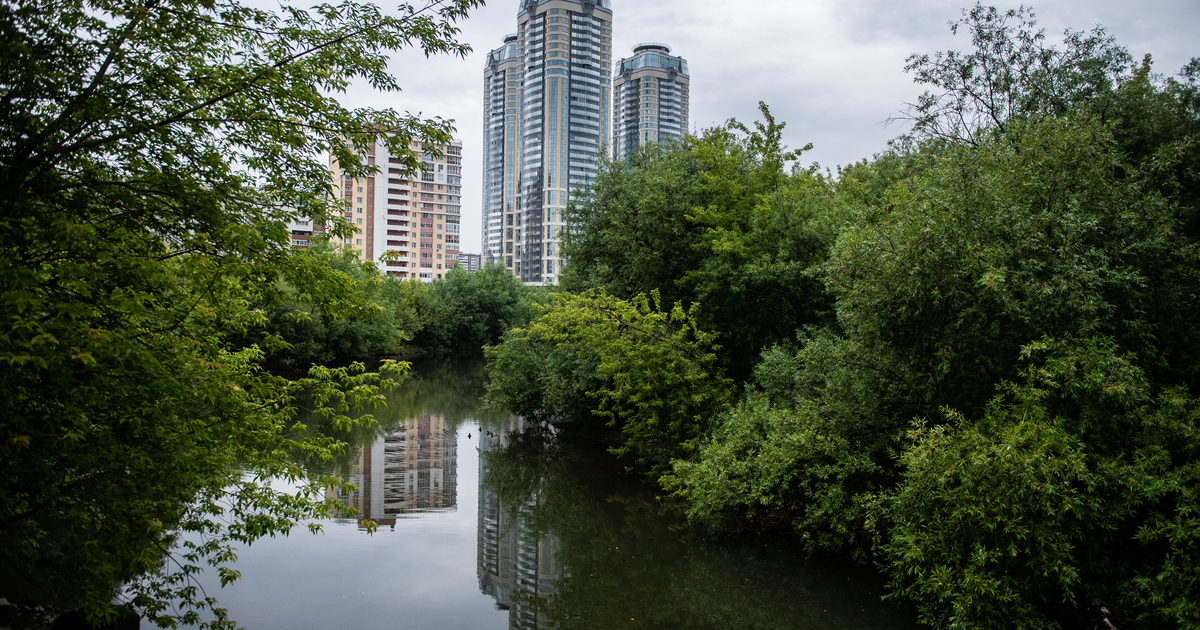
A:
(654, 60)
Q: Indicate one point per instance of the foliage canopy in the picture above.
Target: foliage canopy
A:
(714, 220)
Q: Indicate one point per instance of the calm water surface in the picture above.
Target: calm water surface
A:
(486, 522)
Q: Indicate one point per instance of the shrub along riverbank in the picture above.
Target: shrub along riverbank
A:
(973, 359)
(461, 312)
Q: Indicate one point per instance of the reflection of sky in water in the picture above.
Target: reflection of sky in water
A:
(421, 574)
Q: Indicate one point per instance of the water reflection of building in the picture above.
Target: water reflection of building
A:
(412, 470)
(516, 565)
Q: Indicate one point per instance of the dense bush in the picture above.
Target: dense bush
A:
(463, 311)
(1017, 520)
(648, 370)
(472, 310)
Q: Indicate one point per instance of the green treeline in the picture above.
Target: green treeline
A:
(463, 311)
(972, 360)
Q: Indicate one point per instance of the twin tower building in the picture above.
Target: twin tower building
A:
(553, 101)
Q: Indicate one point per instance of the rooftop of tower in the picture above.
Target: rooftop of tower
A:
(508, 50)
(652, 46)
(527, 6)
(652, 55)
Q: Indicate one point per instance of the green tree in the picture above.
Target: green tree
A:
(631, 234)
(310, 335)
(1011, 75)
(532, 376)
(151, 153)
(477, 308)
(714, 219)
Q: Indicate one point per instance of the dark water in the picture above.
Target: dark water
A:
(488, 522)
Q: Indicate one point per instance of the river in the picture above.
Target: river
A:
(487, 521)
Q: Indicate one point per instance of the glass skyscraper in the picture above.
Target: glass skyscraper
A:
(501, 134)
(650, 98)
(558, 89)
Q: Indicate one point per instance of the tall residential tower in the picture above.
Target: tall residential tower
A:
(650, 99)
(559, 82)
(416, 218)
(501, 136)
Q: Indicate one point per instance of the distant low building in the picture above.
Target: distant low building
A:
(470, 262)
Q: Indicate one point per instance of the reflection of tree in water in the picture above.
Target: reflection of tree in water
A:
(446, 387)
(621, 553)
(517, 561)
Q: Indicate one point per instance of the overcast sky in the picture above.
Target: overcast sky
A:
(833, 71)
